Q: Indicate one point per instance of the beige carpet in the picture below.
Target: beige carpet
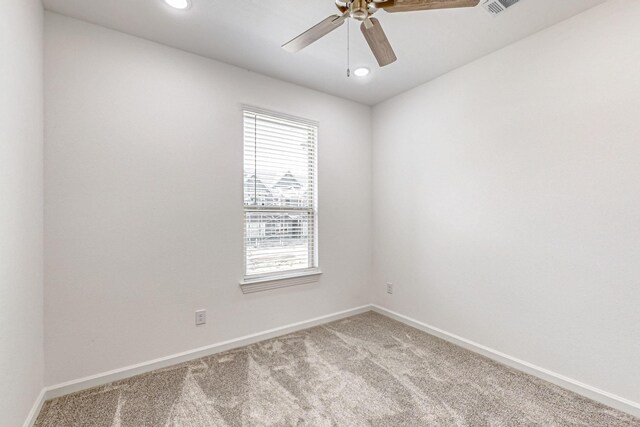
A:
(361, 371)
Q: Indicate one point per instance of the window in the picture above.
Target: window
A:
(279, 196)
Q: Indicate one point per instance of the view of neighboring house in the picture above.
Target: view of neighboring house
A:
(287, 226)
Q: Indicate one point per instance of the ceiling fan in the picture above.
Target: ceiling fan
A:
(362, 10)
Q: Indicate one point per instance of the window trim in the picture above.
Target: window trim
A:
(281, 279)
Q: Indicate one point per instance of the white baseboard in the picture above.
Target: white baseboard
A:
(163, 362)
(35, 410)
(586, 390)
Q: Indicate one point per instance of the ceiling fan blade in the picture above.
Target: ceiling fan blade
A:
(412, 5)
(314, 33)
(378, 42)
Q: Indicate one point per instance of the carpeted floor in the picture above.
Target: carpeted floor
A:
(361, 371)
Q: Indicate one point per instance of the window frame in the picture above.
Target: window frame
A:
(273, 280)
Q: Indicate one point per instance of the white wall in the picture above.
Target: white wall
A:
(21, 345)
(507, 200)
(143, 201)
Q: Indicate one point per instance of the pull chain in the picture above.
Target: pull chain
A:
(348, 52)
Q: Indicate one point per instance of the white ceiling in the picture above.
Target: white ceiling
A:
(249, 33)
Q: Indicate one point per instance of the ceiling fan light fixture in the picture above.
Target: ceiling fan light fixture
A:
(361, 72)
(179, 4)
(359, 10)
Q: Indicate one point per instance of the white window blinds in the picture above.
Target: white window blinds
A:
(279, 194)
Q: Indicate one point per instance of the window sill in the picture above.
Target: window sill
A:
(249, 286)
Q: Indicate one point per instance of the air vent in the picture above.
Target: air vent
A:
(496, 7)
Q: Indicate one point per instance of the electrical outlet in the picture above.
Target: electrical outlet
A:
(201, 317)
(389, 287)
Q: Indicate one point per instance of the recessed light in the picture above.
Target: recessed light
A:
(178, 4)
(361, 72)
